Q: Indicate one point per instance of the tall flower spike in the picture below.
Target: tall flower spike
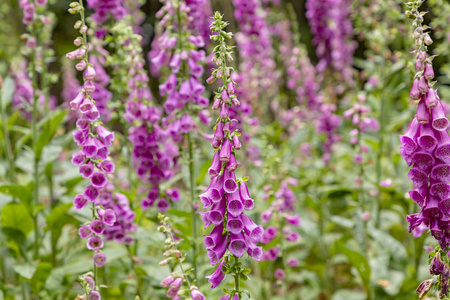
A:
(425, 146)
(228, 195)
(93, 139)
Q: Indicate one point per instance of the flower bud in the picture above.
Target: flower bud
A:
(436, 266)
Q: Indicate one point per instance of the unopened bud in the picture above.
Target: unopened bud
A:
(164, 262)
(78, 41)
(77, 24)
(83, 29)
(427, 40)
(177, 253)
(424, 288)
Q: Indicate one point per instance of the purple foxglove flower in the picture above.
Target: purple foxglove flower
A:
(216, 253)
(89, 147)
(429, 73)
(294, 220)
(203, 102)
(415, 93)
(423, 160)
(98, 180)
(436, 265)
(80, 201)
(420, 65)
(90, 73)
(91, 193)
(216, 165)
(214, 237)
(254, 251)
(83, 124)
(97, 226)
(225, 151)
(106, 135)
(225, 96)
(430, 97)
(163, 204)
(279, 274)
(85, 231)
(266, 215)
(86, 170)
(272, 254)
(236, 143)
(441, 173)
(422, 114)
(197, 87)
(248, 202)
(186, 123)
(108, 216)
(99, 259)
(235, 224)
(185, 91)
(78, 158)
(167, 281)
(418, 177)
(206, 201)
(235, 206)
(238, 245)
(75, 103)
(175, 62)
(217, 212)
(196, 69)
(216, 103)
(173, 194)
(232, 164)
(102, 150)
(438, 117)
(197, 295)
(443, 149)
(229, 184)
(253, 231)
(440, 189)
(422, 85)
(205, 218)
(94, 295)
(89, 87)
(225, 111)
(292, 262)
(86, 105)
(426, 140)
(106, 166)
(80, 136)
(218, 133)
(95, 243)
(293, 236)
(269, 234)
(217, 276)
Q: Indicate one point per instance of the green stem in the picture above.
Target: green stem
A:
(52, 206)
(236, 277)
(36, 159)
(8, 150)
(138, 281)
(194, 213)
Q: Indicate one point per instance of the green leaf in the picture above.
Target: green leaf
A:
(43, 270)
(15, 216)
(357, 260)
(22, 192)
(48, 131)
(26, 271)
(7, 91)
(56, 214)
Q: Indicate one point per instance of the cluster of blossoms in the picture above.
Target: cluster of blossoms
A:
(332, 28)
(328, 123)
(226, 197)
(177, 49)
(88, 284)
(34, 16)
(280, 213)
(199, 18)
(105, 8)
(175, 280)
(93, 139)
(426, 147)
(359, 115)
(254, 42)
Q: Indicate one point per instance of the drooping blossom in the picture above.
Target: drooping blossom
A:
(227, 196)
(332, 28)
